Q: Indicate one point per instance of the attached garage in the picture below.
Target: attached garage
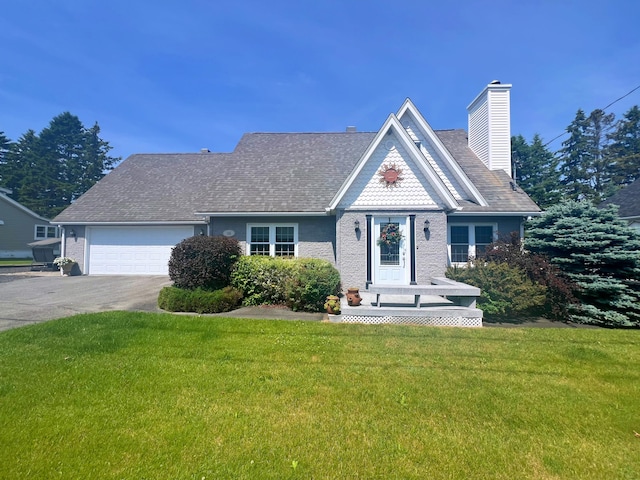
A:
(133, 250)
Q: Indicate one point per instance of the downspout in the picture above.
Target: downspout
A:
(63, 241)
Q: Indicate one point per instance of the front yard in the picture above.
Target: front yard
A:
(134, 395)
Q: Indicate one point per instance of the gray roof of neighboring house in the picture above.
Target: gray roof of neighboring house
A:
(266, 173)
(628, 199)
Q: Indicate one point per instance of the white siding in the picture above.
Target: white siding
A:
(368, 191)
(436, 162)
(500, 131)
(479, 131)
(490, 127)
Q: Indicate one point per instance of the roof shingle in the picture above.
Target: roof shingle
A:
(266, 173)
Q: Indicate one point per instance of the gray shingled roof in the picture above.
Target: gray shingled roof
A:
(494, 185)
(267, 172)
(628, 199)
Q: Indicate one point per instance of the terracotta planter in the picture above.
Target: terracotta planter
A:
(353, 297)
(331, 310)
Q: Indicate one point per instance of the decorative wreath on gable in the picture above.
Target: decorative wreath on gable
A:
(390, 235)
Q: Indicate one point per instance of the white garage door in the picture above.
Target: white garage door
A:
(133, 250)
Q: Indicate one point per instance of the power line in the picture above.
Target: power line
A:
(603, 109)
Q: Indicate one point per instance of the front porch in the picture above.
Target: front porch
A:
(443, 303)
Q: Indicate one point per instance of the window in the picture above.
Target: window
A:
(45, 231)
(272, 240)
(459, 244)
(467, 241)
(484, 236)
(390, 254)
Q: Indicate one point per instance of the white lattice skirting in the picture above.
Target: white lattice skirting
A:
(402, 320)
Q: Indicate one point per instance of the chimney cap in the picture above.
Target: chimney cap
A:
(494, 82)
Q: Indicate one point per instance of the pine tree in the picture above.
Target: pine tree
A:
(597, 251)
(624, 149)
(536, 170)
(599, 168)
(33, 182)
(585, 165)
(47, 172)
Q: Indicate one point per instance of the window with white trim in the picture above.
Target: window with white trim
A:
(469, 241)
(43, 232)
(277, 240)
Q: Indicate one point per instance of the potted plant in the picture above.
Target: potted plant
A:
(65, 264)
(332, 305)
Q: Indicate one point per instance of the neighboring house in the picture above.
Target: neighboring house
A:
(628, 199)
(322, 195)
(19, 226)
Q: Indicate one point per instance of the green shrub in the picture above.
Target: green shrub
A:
(174, 299)
(203, 262)
(505, 289)
(301, 284)
(262, 280)
(560, 296)
(312, 282)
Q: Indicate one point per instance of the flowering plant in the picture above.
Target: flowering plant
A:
(62, 261)
(390, 234)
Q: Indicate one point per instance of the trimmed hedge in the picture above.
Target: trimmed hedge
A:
(174, 299)
(300, 284)
(203, 262)
(312, 282)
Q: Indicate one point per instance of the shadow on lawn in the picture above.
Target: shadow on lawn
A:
(534, 322)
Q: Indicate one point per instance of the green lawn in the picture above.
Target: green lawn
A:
(15, 262)
(159, 396)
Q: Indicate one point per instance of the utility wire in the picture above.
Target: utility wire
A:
(603, 109)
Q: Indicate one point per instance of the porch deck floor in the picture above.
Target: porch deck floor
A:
(434, 310)
(392, 301)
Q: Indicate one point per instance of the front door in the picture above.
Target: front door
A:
(391, 255)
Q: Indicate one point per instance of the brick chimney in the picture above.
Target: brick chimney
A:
(490, 126)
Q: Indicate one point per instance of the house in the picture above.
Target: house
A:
(323, 195)
(628, 199)
(19, 226)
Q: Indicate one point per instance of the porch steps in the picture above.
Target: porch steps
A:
(415, 305)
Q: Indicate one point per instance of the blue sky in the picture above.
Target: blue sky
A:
(169, 76)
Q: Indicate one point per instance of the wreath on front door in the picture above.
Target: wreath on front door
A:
(390, 235)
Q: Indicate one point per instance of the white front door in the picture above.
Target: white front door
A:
(391, 259)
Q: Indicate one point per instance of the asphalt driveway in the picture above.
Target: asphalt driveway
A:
(29, 299)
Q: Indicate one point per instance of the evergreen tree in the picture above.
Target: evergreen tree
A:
(32, 180)
(624, 149)
(62, 144)
(5, 146)
(536, 170)
(585, 165)
(599, 168)
(573, 156)
(95, 162)
(5, 149)
(48, 172)
(598, 252)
